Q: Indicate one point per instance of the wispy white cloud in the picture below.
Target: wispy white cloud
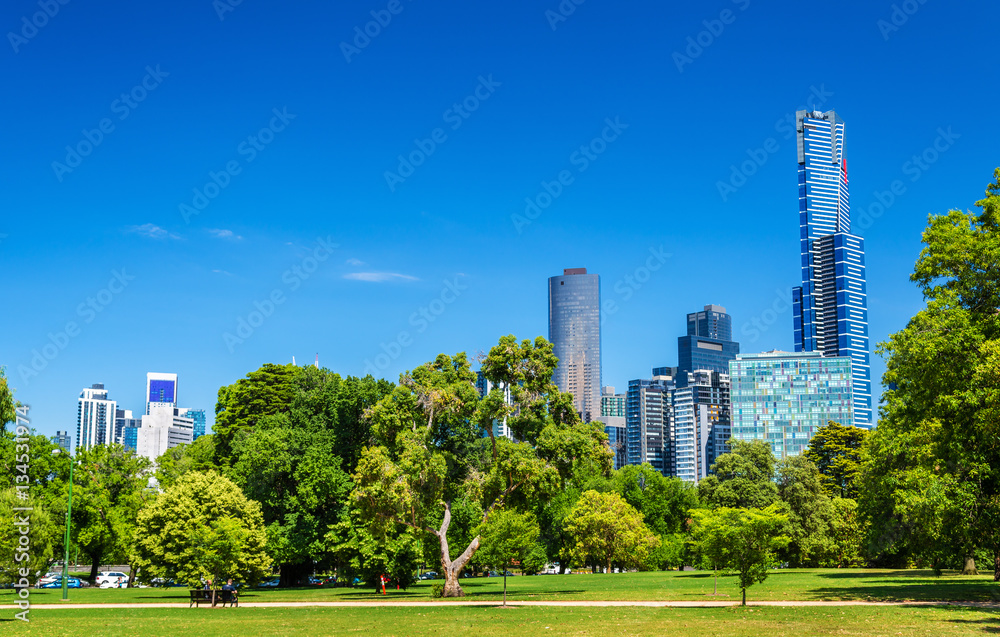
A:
(219, 233)
(151, 231)
(355, 262)
(223, 272)
(379, 277)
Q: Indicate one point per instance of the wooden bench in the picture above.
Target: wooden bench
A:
(213, 597)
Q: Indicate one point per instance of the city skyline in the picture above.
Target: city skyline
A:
(239, 215)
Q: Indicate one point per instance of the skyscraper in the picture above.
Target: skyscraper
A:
(831, 306)
(161, 389)
(701, 429)
(575, 332)
(125, 424)
(708, 344)
(95, 417)
(784, 398)
(648, 423)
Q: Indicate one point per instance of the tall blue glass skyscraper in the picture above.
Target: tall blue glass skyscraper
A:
(575, 332)
(831, 306)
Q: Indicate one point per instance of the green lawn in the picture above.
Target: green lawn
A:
(790, 584)
(387, 621)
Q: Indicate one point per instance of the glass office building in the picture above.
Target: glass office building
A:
(701, 423)
(612, 404)
(648, 407)
(575, 333)
(198, 416)
(708, 344)
(830, 308)
(784, 398)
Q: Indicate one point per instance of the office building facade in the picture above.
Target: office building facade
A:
(648, 423)
(95, 417)
(830, 308)
(575, 333)
(161, 389)
(63, 440)
(784, 398)
(708, 344)
(125, 424)
(612, 404)
(162, 429)
(701, 430)
(199, 418)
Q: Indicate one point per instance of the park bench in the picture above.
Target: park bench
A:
(213, 597)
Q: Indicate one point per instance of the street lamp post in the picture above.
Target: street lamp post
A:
(69, 512)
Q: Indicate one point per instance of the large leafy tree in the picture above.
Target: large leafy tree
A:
(28, 557)
(433, 444)
(201, 527)
(742, 478)
(810, 513)
(608, 530)
(664, 503)
(110, 486)
(182, 459)
(241, 406)
(292, 449)
(931, 470)
(836, 452)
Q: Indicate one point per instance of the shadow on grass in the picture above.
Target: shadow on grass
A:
(989, 624)
(920, 590)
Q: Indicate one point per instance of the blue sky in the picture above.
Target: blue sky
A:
(277, 137)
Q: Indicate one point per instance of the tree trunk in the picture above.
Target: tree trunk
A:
(452, 568)
(95, 564)
(996, 566)
(609, 567)
(744, 597)
(970, 566)
(715, 590)
(505, 585)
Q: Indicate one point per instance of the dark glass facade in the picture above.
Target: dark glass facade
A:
(575, 333)
(708, 345)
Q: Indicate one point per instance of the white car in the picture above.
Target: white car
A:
(112, 579)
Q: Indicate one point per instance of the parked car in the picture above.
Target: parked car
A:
(428, 575)
(50, 577)
(121, 582)
(270, 583)
(72, 582)
(111, 576)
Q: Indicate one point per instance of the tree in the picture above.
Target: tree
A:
(608, 530)
(201, 527)
(710, 541)
(507, 537)
(179, 460)
(743, 540)
(110, 486)
(848, 535)
(293, 450)
(24, 558)
(836, 451)
(931, 470)
(809, 510)
(433, 443)
(7, 403)
(742, 478)
(265, 392)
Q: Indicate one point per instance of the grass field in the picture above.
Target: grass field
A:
(387, 621)
(790, 584)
